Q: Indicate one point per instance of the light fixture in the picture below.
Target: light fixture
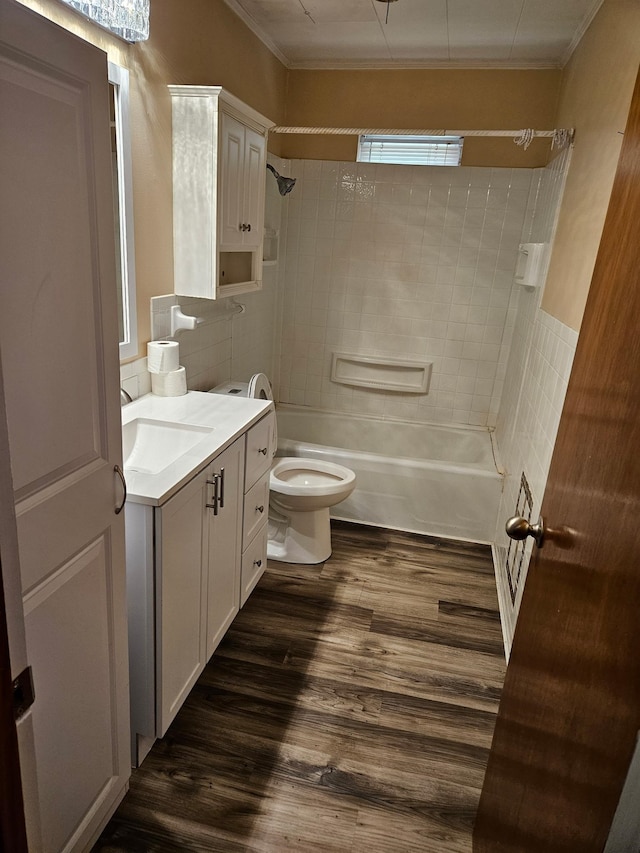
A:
(128, 19)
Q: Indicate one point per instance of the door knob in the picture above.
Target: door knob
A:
(519, 528)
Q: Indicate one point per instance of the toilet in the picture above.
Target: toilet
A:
(301, 493)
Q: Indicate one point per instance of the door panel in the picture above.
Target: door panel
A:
(51, 188)
(59, 342)
(254, 179)
(181, 548)
(570, 710)
(73, 716)
(231, 164)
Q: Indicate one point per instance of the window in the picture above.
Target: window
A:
(123, 210)
(410, 150)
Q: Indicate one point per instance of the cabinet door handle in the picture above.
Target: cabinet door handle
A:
(249, 227)
(221, 496)
(214, 483)
(257, 563)
(262, 450)
(260, 508)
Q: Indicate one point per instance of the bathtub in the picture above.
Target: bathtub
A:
(422, 478)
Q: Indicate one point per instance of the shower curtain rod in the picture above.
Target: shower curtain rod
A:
(561, 137)
(386, 131)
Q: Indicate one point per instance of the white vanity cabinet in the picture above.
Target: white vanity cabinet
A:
(183, 568)
(219, 172)
(196, 537)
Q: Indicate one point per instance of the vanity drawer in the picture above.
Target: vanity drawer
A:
(256, 509)
(254, 562)
(259, 450)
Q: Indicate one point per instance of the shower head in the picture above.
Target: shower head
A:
(285, 185)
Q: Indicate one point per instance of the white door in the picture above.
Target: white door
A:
(59, 345)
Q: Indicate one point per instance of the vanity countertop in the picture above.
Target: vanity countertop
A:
(227, 418)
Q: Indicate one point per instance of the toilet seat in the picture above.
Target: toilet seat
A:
(294, 475)
(259, 387)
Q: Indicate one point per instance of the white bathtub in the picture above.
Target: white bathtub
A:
(421, 478)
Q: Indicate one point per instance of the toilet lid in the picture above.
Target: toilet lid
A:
(260, 387)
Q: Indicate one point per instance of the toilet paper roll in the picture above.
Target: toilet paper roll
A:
(173, 384)
(163, 356)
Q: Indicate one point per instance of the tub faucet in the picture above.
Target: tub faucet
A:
(125, 397)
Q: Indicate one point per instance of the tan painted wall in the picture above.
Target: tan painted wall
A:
(424, 98)
(198, 42)
(596, 92)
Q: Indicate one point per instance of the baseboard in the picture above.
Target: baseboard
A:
(504, 605)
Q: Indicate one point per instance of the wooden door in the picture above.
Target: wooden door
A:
(570, 711)
(59, 344)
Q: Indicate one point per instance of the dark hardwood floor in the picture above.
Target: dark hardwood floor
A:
(349, 709)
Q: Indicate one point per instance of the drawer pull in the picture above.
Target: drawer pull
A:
(263, 450)
(260, 509)
(257, 563)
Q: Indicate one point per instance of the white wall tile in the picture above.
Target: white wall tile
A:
(536, 367)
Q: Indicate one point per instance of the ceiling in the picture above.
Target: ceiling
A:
(419, 33)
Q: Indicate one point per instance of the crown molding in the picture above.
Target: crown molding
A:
(255, 28)
(404, 65)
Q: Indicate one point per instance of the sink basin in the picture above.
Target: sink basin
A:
(149, 446)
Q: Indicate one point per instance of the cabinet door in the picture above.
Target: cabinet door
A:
(231, 160)
(181, 545)
(224, 544)
(254, 180)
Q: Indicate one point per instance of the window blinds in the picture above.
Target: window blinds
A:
(411, 150)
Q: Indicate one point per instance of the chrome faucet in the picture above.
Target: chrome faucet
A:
(125, 397)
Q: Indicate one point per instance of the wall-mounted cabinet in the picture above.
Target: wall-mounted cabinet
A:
(219, 170)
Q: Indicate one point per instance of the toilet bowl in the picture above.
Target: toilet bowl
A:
(301, 493)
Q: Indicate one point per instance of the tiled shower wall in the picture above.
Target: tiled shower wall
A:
(405, 261)
(539, 363)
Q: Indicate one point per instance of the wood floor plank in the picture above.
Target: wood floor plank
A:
(349, 708)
